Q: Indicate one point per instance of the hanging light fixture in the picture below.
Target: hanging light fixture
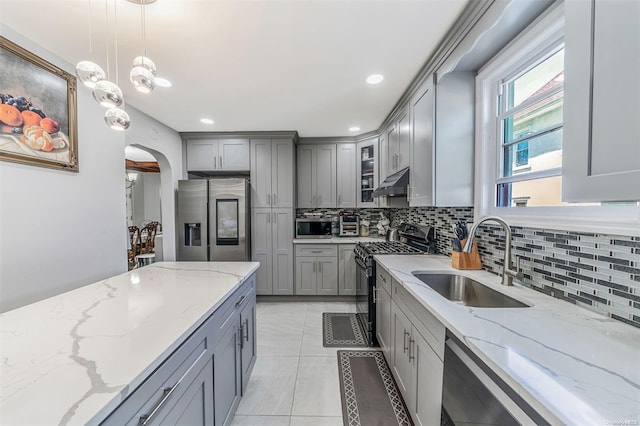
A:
(107, 93)
(88, 72)
(143, 73)
(115, 117)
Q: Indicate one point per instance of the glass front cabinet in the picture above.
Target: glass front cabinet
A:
(367, 172)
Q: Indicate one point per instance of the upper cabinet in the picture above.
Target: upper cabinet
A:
(317, 176)
(272, 174)
(205, 155)
(441, 129)
(367, 173)
(346, 179)
(601, 153)
(398, 140)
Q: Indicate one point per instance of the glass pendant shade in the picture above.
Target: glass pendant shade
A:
(142, 79)
(144, 62)
(117, 119)
(89, 73)
(108, 94)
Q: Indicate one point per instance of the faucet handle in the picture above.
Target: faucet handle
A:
(519, 274)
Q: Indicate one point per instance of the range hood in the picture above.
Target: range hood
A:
(394, 186)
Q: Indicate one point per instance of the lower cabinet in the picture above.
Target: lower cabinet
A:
(325, 269)
(346, 270)
(202, 381)
(383, 320)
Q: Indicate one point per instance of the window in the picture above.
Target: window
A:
(519, 137)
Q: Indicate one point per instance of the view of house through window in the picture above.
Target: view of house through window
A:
(530, 123)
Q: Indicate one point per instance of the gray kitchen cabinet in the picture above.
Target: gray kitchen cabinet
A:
(217, 155)
(398, 140)
(317, 176)
(399, 359)
(316, 269)
(383, 311)
(601, 153)
(442, 141)
(427, 370)
(347, 176)
(346, 269)
(272, 173)
(272, 246)
(367, 173)
(391, 136)
(200, 383)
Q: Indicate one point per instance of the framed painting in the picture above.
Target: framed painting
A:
(38, 117)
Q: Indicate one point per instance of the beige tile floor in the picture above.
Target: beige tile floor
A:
(295, 379)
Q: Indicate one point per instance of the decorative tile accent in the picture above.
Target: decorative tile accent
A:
(596, 271)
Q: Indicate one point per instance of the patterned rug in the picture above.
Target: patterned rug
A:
(369, 394)
(342, 330)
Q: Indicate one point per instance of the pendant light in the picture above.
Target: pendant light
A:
(143, 73)
(88, 72)
(116, 118)
(107, 93)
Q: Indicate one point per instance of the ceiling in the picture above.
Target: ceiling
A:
(251, 65)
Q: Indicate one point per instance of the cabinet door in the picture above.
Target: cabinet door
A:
(346, 180)
(601, 153)
(346, 269)
(227, 373)
(282, 176)
(392, 141)
(195, 406)
(262, 248)
(425, 401)
(306, 275)
(261, 169)
(383, 166)
(306, 166)
(233, 154)
(327, 281)
(282, 236)
(367, 161)
(404, 141)
(202, 155)
(383, 320)
(421, 171)
(248, 336)
(401, 332)
(325, 176)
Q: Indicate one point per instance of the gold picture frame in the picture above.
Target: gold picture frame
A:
(46, 135)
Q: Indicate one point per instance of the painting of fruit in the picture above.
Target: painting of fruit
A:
(37, 110)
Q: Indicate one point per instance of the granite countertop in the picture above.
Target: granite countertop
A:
(72, 358)
(572, 365)
(338, 240)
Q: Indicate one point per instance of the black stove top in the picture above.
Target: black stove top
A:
(389, 247)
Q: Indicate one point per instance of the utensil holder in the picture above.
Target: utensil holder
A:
(462, 260)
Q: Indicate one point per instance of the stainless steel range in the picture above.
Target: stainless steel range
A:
(414, 239)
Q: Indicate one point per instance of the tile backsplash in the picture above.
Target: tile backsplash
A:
(596, 271)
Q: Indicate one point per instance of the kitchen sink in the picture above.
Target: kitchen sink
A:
(466, 291)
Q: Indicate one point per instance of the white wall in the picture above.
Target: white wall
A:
(62, 230)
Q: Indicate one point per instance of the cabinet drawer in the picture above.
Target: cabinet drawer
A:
(383, 279)
(428, 325)
(317, 250)
(164, 387)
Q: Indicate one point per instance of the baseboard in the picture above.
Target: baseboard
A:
(294, 298)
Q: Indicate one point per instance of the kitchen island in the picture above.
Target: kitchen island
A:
(571, 365)
(75, 357)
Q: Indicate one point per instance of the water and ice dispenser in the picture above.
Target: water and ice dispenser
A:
(192, 235)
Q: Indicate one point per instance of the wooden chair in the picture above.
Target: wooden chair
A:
(134, 241)
(149, 237)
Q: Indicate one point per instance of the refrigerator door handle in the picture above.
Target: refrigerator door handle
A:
(221, 161)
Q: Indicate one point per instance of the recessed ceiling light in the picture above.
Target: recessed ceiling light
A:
(354, 129)
(375, 78)
(206, 120)
(162, 82)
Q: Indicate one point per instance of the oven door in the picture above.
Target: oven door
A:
(364, 299)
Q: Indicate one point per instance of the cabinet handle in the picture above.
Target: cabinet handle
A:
(411, 346)
(339, 199)
(404, 342)
(215, 162)
(319, 266)
(268, 217)
(221, 161)
(246, 334)
(239, 302)
(269, 199)
(145, 419)
(274, 199)
(375, 295)
(275, 218)
(241, 340)
(316, 251)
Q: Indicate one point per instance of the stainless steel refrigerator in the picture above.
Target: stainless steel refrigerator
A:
(213, 220)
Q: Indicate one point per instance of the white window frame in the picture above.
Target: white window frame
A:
(544, 33)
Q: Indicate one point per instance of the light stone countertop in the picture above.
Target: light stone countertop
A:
(72, 358)
(339, 240)
(572, 365)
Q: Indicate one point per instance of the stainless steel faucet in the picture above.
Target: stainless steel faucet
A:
(508, 274)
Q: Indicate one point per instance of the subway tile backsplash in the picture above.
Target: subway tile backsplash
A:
(596, 271)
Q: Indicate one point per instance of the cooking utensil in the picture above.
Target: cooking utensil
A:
(457, 246)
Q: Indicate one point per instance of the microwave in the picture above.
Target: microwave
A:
(313, 227)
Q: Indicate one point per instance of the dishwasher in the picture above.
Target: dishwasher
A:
(473, 393)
